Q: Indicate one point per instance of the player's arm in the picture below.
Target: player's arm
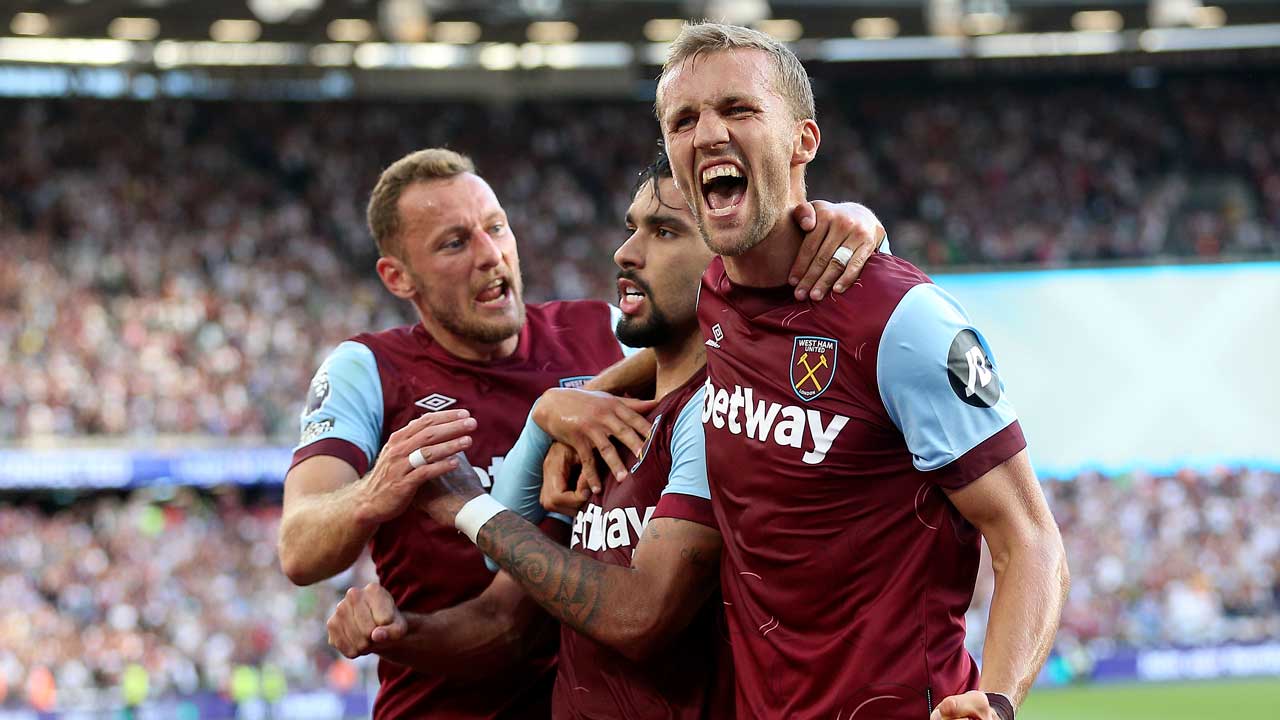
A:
(635, 609)
(329, 511)
(1008, 507)
(493, 630)
(941, 388)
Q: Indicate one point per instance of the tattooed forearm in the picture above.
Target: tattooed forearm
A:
(569, 585)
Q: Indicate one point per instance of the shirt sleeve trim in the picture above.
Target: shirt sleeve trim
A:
(333, 447)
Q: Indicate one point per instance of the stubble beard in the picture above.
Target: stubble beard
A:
(454, 318)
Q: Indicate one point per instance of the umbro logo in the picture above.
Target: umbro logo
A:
(435, 401)
(716, 336)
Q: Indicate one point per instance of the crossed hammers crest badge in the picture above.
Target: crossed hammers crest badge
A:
(813, 365)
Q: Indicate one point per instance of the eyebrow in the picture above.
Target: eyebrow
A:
(660, 219)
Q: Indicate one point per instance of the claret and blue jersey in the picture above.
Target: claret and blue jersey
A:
(832, 431)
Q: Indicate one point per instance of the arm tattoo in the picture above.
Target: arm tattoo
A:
(571, 586)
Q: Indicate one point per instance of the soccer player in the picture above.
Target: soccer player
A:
(386, 411)
(639, 573)
(859, 448)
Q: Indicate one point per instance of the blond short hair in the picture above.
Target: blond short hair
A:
(697, 38)
(383, 214)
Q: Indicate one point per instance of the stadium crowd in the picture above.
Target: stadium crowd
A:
(186, 585)
(178, 268)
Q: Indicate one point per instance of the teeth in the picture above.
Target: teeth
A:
(725, 170)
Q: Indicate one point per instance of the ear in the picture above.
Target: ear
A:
(807, 142)
(395, 276)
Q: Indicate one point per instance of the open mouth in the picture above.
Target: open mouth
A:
(495, 294)
(631, 298)
(723, 187)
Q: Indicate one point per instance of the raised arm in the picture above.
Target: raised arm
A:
(1008, 507)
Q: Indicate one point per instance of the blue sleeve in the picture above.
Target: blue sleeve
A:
(615, 316)
(345, 400)
(519, 479)
(688, 474)
(938, 380)
(518, 482)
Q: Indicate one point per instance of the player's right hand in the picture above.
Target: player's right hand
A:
(365, 621)
(588, 421)
(392, 484)
(557, 475)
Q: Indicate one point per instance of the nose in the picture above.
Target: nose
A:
(488, 251)
(711, 131)
(630, 254)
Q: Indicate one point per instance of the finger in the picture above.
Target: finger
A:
(808, 249)
(417, 476)
(805, 216)
(617, 467)
(826, 280)
(427, 420)
(620, 428)
(394, 630)
(861, 254)
(435, 452)
(589, 474)
(638, 422)
(382, 607)
(438, 433)
(565, 503)
(821, 260)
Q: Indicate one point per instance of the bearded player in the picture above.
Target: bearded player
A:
(639, 573)
(386, 411)
(859, 448)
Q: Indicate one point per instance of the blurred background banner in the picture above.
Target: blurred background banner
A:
(182, 240)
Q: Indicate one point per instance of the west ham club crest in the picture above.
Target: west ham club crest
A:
(813, 365)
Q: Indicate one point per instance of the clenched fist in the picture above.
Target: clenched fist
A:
(365, 621)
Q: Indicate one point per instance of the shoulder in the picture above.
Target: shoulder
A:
(558, 312)
(392, 340)
(884, 281)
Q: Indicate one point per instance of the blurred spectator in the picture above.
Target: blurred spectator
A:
(187, 589)
(176, 267)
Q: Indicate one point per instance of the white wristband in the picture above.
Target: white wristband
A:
(478, 511)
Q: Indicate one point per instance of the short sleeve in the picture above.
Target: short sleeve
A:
(518, 483)
(939, 383)
(615, 316)
(344, 404)
(687, 495)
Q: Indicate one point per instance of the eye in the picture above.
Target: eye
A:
(665, 233)
(453, 243)
(739, 110)
(682, 123)
(497, 229)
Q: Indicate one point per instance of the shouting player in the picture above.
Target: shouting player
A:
(386, 410)
(858, 448)
(639, 573)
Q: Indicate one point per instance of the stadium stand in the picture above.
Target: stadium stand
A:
(185, 585)
(187, 256)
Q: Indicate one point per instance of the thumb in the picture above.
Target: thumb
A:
(395, 630)
(805, 216)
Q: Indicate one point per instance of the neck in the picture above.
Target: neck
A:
(465, 348)
(678, 361)
(768, 263)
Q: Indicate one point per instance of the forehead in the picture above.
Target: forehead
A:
(448, 201)
(669, 202)
(705, 77)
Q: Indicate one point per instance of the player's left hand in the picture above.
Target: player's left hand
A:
(829, 227)
(972, 705)
(364, 621)
(557, 477)
(443, 496)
